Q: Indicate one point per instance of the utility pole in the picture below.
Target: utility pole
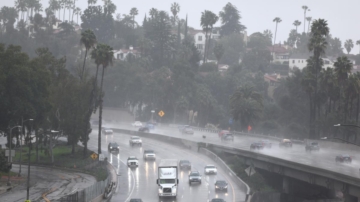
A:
(28, 176)
(21, 136)
(10, 158)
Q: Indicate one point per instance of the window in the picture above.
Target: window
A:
(199, 46)
(199, 38)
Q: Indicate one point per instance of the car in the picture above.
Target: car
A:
(113, 146)
(135, 140)
(137, 124)
(217, 200)
(210, 169)
(221, 185)
(152, 122)
(194, 176)
(256, 146)
(227, 137)
(266, 144)
(132, 161)
(144, 129)
(149, 155)
(136, 200)
(106, 131)
(150, 126)
(285, 143)
(187, 130)
(181, 127)
(184, 164)
(221, 133)
(343, 158)
(313, 146)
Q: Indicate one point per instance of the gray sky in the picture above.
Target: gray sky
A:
(257, 15)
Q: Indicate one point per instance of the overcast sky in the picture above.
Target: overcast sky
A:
(257, 15)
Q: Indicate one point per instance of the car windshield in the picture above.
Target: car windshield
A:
(194, 174)
(211, 167)
(167, 181)
(217, 200)
(114, 144)
(149, 151)
(184, 162)
(314, 143)
(220, 182)
(135, 138)
(132, 158)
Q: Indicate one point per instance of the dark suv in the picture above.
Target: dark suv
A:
(113, 146)
(314, 146)
(184, 164)
(221, 185)
(194, 177)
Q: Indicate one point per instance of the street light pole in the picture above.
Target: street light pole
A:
(51, 146)
(21, 136)
(28, 177)
(8, 182)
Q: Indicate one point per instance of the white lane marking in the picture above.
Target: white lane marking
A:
(133, 187)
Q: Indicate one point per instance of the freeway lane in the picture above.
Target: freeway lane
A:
(141, 182)
(324, 159)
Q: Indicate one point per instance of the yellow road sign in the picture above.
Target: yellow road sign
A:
(94, 156)
(161, 113)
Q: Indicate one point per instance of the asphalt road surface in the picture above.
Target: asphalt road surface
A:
(141, 182)
(325, 158)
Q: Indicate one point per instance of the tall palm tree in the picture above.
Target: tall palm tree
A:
(207, 21)
(91, 2)
(175, 9)
(213, 19)
(77, 13)
(153, 12)
(104, 56)
(88, 39)
(358, 43)
(134, 12)
(349, 44)
(20, 5)
(277, 20)
(296, 24)
(309, 22)
(305, 8)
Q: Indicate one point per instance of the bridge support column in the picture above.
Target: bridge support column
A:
(286, 185)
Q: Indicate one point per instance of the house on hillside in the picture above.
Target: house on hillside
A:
(279, 53)
(273, 81)
(124, 54)
(199, 39)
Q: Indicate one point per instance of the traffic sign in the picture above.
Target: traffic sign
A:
(250, 171)
(94, 156)
(161, 113)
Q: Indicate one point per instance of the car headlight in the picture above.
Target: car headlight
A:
(225, 187)
(173, 189)
(140, 140)
(216, 187)
(160, 190)
(110, 147)
(118, 147)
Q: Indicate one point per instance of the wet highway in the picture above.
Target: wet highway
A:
(141, 182)
(325, 158)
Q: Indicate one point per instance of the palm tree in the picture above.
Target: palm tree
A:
(38, 7)
(296, 24)
(20, 5)
(88, 39)
(309, 22)
(91, 2)
(175, 9)
(133, 13)
(77, 13)
(358, 43)
(153, 12)
(31, 4)
(305, 8)
(349, 44)
(104, 56)
(246, 105)
(207, 21)
(219, 52)
(277, 20)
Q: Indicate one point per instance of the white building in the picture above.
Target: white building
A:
(199, 38)
(300, 62)
(280, 55)
(123, 54)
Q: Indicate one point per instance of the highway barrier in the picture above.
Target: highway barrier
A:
(240, 183)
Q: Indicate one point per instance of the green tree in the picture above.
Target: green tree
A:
(268, 34)
(153, 12)
(20, 6)
(305, 8)
(349, 44)
(219, 52)
(230, 20)
(358, 43)
(246, 105)
(88, 39)
(277, 20)
(134, 12)
(293, 38)
(175, 9)
(207, 21)
(296, 24)
(309, 22)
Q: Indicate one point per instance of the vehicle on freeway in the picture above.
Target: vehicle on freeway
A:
(113, 146)
(256, 146)
(187, 130)
(227, 137)
(106, 131)
(181, 127)
(144, 129)
(194, 176)
(149, 155)
(285, 143)
(137, 124)
(210, 169)
(150, 126)
(167, 178)
(313, 146)
(132, 161)
(184, 164)
(136, 200)
(343, 158)
(221, 133)
(135, 140)
(152, 122)
(266, 144)
(221, 185)
(217, 200)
